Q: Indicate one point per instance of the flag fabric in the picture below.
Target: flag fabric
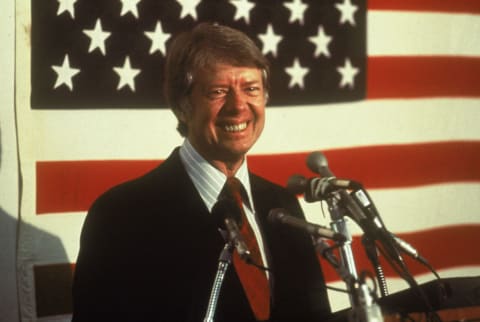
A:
(111, 54)
(388, 90)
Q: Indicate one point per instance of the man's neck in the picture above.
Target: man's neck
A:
(228, 168)
(228, 164)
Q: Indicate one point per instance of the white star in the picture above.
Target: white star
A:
(127, 75)
(321, 41)
(297, 73)
(97, 37)
(243, 8)
(270, 41)
(189, 8)
(158, 38)
(348, 73)
(347, 10)
(297, 8)
(66, 5)
(65, 73)
(129, 6)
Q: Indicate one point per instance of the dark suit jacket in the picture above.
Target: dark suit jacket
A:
(149, 252)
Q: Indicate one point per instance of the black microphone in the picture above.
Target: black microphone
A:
(297, 184)
(227, 215)
(359, 205)
(362, 210)
(316, 189)
(364, 201)
(279, 215)
(317, 162)
(408, 249)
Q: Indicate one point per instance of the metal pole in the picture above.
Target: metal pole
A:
(224, 261)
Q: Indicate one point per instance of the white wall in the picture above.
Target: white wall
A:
(9, 178)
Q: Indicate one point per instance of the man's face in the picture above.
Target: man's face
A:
(227, 112)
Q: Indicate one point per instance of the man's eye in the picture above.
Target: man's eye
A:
(253, 90)
(216, 93)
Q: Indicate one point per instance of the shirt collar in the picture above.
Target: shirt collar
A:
(207, 179)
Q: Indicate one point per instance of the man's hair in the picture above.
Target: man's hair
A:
(204, 46)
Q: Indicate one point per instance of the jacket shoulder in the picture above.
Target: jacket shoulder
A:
(155, 185)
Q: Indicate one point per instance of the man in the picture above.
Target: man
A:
(149, 248)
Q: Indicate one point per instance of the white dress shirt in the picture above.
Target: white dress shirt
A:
(209, 181)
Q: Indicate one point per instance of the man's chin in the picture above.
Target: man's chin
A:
(234, 153)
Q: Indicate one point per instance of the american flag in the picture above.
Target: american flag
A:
(388, 90)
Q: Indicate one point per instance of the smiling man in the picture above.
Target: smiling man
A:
(228, 114)
(149, 248)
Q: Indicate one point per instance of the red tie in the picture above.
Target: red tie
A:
(254, 279)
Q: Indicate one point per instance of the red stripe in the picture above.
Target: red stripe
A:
(386, 166)
(445, 247)
(459, 6)
(409, 77)
(65, 186)
(68, 186)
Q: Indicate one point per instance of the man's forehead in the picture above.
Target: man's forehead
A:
(225, 72)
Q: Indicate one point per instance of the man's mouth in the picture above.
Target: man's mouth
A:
(235, 127)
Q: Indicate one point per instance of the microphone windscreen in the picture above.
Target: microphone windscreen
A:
(297, 184)
(317, 162)
(276, 215)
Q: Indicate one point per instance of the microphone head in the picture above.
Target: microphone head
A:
(296, 184)
(276, 215)
(317, 162)
(226, 208)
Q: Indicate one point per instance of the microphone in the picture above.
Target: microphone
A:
(362, 210)
(363, 199)
(317, 162)
(413, 253)
(316, 189)
(279, 215)
(408, 249)
(227, 214)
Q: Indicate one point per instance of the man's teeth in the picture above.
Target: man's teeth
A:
(236, 127)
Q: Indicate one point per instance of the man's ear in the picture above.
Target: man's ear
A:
(183, 111)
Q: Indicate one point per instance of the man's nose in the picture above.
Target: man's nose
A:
(236, 100)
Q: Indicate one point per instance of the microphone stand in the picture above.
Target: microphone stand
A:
(364, 306)
(224, 261)
(338, 224)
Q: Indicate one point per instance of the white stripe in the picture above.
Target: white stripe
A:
(98, 134)
(396, 33)
(151, 134)
(374, 122)
(51, 238)
(415, 209)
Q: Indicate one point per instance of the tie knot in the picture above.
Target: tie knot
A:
(234, 184)
(236, 191)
